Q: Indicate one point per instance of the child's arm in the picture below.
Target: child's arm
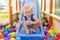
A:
(36, 20)
(24, 24)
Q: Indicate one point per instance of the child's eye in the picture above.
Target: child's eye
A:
(29, 12)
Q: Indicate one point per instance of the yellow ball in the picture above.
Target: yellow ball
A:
(51, 31)
(0, 33)
(43, 20)
(12, 39)
(44, 27)
(13, 34)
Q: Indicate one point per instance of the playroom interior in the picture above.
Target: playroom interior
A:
(11, 15)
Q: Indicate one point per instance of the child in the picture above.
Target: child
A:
(33, 20)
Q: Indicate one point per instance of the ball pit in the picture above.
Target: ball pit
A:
(7, 31)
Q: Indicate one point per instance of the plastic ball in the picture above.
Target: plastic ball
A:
(44, 27)
(1, 31)
(14, 23)
(13, 29)
(1, 26)
(47, 28)
(45, 31)
(58, 35)
(1, 34)
(9, 30)
(12, 39)
(43, 20)
(2, 39)
(6, 32)
(8, 36)
(13, 26)
(51, 31)
(18, 38)
(7, 27)
(52, 36)
(12, 34)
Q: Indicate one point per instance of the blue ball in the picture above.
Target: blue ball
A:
(6, 32)
(18, 38)
(9, 30)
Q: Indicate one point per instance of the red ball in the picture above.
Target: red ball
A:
(1, 36)
(56, 37)
(13, 29)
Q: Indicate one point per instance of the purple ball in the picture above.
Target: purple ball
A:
(13, 26)
(46, 32)
(8, 36)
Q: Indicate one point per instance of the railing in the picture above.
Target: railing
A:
(52, 15)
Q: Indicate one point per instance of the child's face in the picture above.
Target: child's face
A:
(28, 12)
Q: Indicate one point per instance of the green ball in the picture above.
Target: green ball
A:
(9, 26)
(14, 23)
(53, 35)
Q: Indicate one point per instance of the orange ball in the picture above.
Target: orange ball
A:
(1, 31)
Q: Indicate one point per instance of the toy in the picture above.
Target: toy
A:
(1, 31)
(1, 26)
(5, 32)
(18, 38)
(8, 36)
(43, 20)
(7, 27)
(12, 34)
(45, 31)
(13, 29)
(2, 39)
(12, 39)
(13, 26)
(1, 34)
(14, 23)
(58, 35)
(9, 30)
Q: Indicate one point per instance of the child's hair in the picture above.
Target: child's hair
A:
(27, 6)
